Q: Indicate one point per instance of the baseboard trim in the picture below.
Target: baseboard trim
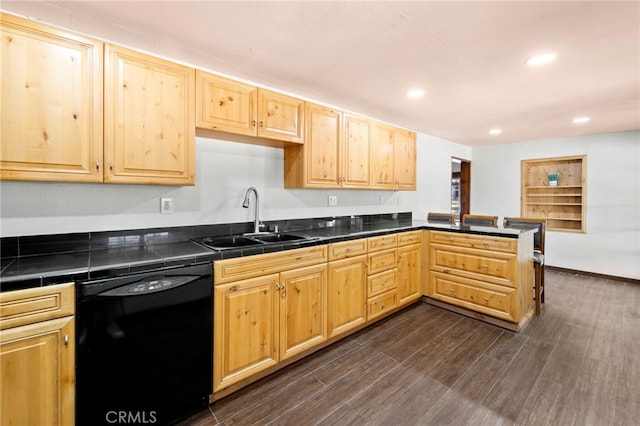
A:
(480, 316)
(593, 274)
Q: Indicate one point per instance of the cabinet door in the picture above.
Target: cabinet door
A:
(149, 119)
(322, 147)
(37, 374)
(405, 153)
(384, 174)
(280, 117)
(356, 153)
(347, 301)
(50, 104)
(408, 278)
(245, 329)
(225, 105)
(303, 313)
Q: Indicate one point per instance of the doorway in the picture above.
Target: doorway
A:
(460, 186)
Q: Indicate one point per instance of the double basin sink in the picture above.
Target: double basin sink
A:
(246, 240)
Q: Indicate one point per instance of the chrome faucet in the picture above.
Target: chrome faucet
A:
(256, 224)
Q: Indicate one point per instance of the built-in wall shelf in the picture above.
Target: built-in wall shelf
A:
(563, 205)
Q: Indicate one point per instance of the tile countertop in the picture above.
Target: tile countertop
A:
(79, 257)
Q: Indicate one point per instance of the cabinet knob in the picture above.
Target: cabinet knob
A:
(97, 166)
(261, 124)
(66, 340)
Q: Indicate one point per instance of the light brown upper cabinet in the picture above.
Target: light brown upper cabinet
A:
(356, 152)
(336, 152)
(50, 103)
(149, 119)
(394, 158)
(67, 114)
(230, 106)
(315, 164)
(405, 153)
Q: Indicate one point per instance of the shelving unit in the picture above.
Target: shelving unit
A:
(564, 206)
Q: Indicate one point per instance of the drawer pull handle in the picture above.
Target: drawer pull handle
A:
(485, 267)
(486, 299)
(348, 250)
(451, 290)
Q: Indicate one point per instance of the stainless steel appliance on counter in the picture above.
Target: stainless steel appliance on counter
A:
(144, 346)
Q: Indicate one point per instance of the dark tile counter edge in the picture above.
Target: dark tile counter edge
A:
(203, 255)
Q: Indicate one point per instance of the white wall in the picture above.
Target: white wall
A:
(611, 244)
(224, 170)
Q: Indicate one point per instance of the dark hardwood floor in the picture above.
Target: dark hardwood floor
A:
(576, 364)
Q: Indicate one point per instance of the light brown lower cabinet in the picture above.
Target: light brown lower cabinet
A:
(269, 308)
(347, 307)
(485, 274)
(408, 278)
(37, 357)
(262, 321)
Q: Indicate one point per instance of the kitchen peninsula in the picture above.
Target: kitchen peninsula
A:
(344, 274)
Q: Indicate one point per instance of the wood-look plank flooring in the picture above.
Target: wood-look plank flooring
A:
(576, 364)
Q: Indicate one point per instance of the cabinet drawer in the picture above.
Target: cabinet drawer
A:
(382, 242)
(490, 299)
(381, 304)
(379, 283)
(382, 261)
(239, 268)
(33, 305)
(407, 238)
(499, 268)
(509, 245)
(347, 249)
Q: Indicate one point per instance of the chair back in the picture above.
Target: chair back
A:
(441, 217)
(526, 223)
(479, 220)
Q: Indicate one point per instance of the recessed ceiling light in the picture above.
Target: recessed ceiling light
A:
(580, 120)
(494, 132)
(415, 93)
(541, 59)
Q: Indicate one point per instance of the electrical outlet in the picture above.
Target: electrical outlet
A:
(333, 200)
(166, 205)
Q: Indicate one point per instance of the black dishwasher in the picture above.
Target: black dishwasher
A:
(144, 347)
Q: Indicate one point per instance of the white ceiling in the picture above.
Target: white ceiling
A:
(363, 56)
